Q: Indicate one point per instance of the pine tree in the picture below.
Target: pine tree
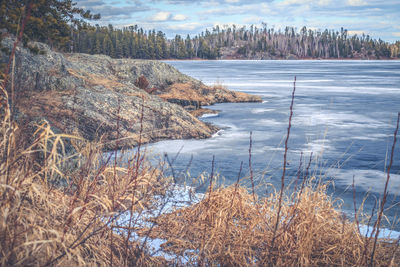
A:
(99, 47)
(189, 48)
(50, 21)
(107, 45)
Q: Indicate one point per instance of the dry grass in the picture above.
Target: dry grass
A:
(94, 79)
(201, 111)
(73, 224)
(206, 95)
(228, 229)
(184, 91)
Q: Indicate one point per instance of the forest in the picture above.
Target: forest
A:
(231, 42)
(68, 28)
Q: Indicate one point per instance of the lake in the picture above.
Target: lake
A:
(344, 114)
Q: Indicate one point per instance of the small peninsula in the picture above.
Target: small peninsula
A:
(96, 97)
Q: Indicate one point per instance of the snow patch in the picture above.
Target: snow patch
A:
(209, 115)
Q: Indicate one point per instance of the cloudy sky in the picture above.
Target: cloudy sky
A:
(378, 18)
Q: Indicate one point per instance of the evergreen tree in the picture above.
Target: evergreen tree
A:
(188, 46)
(50, 21)
(108, 48)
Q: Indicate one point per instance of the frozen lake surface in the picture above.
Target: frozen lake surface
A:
(344, 113)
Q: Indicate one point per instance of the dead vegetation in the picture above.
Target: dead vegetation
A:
(94, 79)
(205, 95)
(43, 223)
(228, 229)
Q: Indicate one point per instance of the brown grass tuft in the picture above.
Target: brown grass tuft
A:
(312, 233)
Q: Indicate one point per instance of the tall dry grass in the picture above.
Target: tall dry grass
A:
(60, 209)
(228, 229)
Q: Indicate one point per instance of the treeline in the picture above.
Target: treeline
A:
(230, 42)
(305, 43)
(62, 25)
(134, 42)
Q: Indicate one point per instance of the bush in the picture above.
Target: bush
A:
(142, 82)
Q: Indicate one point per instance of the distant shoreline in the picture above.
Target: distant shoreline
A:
(300, 59)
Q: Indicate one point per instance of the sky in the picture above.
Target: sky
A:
(378, 18)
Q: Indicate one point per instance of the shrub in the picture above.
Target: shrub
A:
(142, 82)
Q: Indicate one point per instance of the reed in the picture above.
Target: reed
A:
(239, 232)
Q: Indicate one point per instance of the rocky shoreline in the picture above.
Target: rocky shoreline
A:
(103, 99)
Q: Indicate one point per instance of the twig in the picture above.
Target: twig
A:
(251, 168)
(211, 176)
(355, 207)
(284, 167)
(306, 175)
(203, 240)
(368, 239)
(28, 15)
(113, 183)
(10, 101)
(135, 176)
(298, 174)
(385, 192)
(233, 198)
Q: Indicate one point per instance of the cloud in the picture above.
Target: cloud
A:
(253, 19)
(324, 2)
(178, 2)
(355, 32)
(305, 2)
(167, 16)
(161, 16)
(90, 3)
(356, 2)
(397, 34)
(179, 17)
(190, 26)
(253, 9)
(113, 11)
(211, 2)
(294, 2)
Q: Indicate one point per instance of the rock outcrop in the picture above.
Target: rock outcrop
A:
(200, 95)
(95, 96)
